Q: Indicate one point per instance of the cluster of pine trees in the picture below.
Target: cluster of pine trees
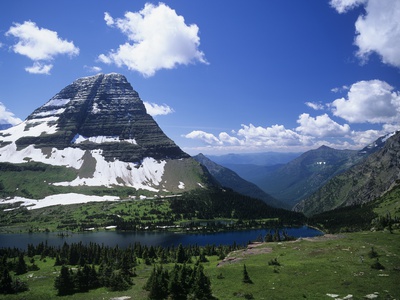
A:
(182, 282)
(9, 285)
(85, 267)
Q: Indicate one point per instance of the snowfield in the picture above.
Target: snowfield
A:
(147, 176)
(33, 127)
(144, 175)
(60, 199)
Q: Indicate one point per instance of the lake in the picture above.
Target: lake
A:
(124, 239)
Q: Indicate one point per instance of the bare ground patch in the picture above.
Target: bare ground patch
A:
(260, 248)
(236, 256)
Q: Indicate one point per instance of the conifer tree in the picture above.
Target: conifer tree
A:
(64, 282)
(93, 278)
(21, 267)
(176, 287)
(246, 277)
(6, 282)
(157, 284)
(202, 285)
(81, 281)
(118, 282)
(180, 255)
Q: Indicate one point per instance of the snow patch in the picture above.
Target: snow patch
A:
(181, 185)
(59, 199)
(33, 127)
(146, 176)
(100, 139)
(95, 108)
(389, 135)
(69, 157)
(57, 102)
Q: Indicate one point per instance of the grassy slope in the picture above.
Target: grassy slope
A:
(389, 203)
(309, 270)
(103, 214)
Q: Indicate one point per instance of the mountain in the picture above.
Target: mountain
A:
(96, 131)
(378, 144)
(259, 159)
(253, 173)
(362, 183)
(228, 178)
(254, 167)
(302, 176)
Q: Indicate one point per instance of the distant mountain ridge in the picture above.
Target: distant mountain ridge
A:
(259, 159)
(362, 183)
(229, 179)
(300, 177)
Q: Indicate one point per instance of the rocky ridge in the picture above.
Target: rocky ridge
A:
(362, 183)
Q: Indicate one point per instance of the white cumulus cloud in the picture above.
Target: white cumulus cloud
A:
(39, 68)
(40, 45)
(371, 101)
(343, 6)
(92, 69)
(154, 109)
(206, 137)
(158, 39)
(378, 30)
(321, 126)
(315, 106)
(250, 137)
(7, 117)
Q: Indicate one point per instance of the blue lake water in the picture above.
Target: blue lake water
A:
(124, 239)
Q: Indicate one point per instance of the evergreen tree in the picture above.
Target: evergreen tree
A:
(21, 267)
(157, 284)
(19, 286)
(246, 277)
(119, 282)
(202, 285)
(180, 255)
(93, 278)
(176, 287)
(202, 256)
(81, 281)
(6, 282)
(58, 261)
(64, 283)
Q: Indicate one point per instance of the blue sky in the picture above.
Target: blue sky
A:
(218, 76)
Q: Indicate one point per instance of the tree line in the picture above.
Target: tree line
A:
(85, 267)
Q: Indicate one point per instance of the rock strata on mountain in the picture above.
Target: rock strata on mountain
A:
(98, 126)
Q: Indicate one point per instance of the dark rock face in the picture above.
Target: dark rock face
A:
(102, 108)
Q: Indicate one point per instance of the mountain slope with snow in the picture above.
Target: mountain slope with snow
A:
(98, 127)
